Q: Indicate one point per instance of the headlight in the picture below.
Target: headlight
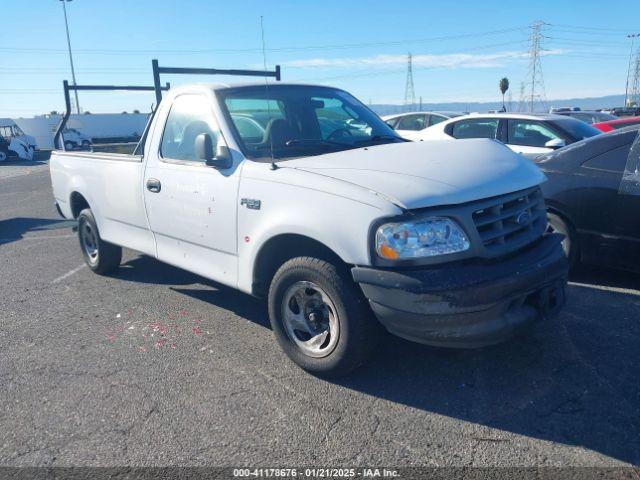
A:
(425, 237)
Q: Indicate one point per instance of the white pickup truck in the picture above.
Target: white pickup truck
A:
(302, 195)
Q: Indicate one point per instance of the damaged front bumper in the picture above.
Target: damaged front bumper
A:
(469, 305)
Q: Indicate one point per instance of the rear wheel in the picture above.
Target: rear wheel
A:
(558, 224)
(3, 156)
(101, 257)
(320, 317)
(69, 145)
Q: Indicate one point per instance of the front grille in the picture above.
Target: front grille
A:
(508, 222)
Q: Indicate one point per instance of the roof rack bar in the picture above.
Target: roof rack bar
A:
(157, 70)
(67, 100)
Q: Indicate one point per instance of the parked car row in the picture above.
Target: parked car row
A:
(583, 193)
(529, 135)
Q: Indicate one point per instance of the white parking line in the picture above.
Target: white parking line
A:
(69, 273)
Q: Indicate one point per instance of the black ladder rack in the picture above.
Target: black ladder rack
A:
(67, 100)
(157, 70)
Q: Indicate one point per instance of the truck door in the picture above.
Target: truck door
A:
(191, 207)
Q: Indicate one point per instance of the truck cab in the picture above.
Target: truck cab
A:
(302, 195)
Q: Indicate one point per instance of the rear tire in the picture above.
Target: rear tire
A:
(320, 317)
(100, 256)
(570, 243)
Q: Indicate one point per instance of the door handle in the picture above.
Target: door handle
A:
(154, 185)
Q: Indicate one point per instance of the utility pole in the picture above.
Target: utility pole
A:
(632, 36)
(73, 73)
(534, 85)
(409, 91)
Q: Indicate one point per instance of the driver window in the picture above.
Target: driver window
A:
(411, 122)
(190, 116)
(530, 134)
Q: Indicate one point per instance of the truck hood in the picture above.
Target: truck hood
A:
(425, 174)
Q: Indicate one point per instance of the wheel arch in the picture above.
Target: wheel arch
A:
(77, 202)
(282, 247)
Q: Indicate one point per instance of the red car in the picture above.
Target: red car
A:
(611, 125)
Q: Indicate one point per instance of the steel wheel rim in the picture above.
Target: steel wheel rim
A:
(310, 319)
(89, 240)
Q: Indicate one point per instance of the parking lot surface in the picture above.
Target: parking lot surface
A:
(157, 366)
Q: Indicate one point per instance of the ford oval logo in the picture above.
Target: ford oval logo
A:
(523, 218)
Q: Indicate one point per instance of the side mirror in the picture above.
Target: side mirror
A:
(204, 151)
(555, 143)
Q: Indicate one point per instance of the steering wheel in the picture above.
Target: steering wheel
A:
(340, 133)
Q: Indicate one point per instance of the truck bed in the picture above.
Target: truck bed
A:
(111, 183)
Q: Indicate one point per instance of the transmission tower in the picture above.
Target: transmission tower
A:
(534, 83)
(409, 91)
(634, 97)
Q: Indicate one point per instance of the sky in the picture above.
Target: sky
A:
(460, 48)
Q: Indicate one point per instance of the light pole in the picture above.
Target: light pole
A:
(632, 36)
(73, 73)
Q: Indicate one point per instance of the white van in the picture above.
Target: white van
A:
(14, 142)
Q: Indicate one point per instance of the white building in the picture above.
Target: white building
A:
(95, 125)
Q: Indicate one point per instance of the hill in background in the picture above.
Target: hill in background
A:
(584, 103)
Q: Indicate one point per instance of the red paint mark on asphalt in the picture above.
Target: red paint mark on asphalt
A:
(173, 345)
(111, 337)
(142, 349)
(170, 317)
(196, 330)
(183, 313)
(163, 330)
(198, 321)
(160, 343)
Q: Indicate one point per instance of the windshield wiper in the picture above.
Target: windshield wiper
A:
(377, 138)
(313, 141)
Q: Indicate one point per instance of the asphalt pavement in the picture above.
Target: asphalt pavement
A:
(154, 366)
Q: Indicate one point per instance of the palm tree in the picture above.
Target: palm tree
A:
(504, 86)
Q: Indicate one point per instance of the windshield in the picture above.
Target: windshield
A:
(287, 121)
(577, 129)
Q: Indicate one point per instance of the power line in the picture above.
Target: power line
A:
(274, 49)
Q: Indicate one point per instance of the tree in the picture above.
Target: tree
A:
(504, 86)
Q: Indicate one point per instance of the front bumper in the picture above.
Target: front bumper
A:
(469, 305)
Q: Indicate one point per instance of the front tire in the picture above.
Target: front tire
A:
(320, 317)
(100, 256)
(570, 244)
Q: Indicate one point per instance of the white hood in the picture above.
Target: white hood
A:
(424, 174)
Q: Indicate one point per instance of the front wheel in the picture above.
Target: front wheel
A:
(557, 224)
(100, 256)
(320, 317)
